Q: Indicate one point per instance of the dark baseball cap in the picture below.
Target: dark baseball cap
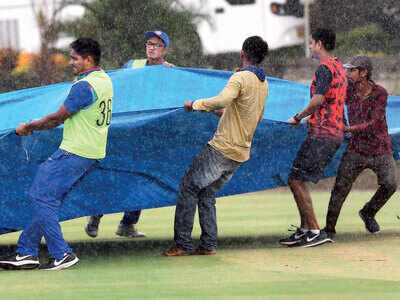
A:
(161, 35)
(359, 61)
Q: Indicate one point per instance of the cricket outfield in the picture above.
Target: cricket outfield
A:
(249, 264)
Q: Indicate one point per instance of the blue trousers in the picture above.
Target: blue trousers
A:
(53, 181)
(207, 174)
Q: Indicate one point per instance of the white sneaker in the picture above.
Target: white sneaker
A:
(68, 260)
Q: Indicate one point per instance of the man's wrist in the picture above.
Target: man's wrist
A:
(31, 126)
(297, 118)
(27, 125)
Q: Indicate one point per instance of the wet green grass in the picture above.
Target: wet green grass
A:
(249, 264)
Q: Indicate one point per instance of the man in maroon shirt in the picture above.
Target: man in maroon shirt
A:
(369, 146)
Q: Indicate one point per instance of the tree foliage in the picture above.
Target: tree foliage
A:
(120, 26)
(46, 13)
(346, 15)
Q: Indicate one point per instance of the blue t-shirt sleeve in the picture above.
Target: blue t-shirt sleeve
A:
(128, 64)
(81, 96)
(324, 79)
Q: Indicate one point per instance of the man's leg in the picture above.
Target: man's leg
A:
(208, 220)
(203, 171)
(207, 211)
(184, 213)
(314, 155)
(131, 217)
(27, 254)
(53, 181)
(31, 236)
(351, 165)
(304, 204)
(50, 226)
(92, 225)
(385, 168)
(127, 225)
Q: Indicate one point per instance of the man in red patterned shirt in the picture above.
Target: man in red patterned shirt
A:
(369, 146)
(325, 134)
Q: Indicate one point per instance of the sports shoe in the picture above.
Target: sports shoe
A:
(129, 231)
(19, 262)
(311, 239)
(67, 261)
(293, 238)
(92, 226)
(370, 223)
(201, 251)
(175, 251)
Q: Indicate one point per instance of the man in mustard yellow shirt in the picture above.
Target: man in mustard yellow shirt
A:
(243, 103)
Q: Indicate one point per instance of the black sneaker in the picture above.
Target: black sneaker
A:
(311, 239)
(370, 223)
(293, 238)
(19, 262)
(67, 261)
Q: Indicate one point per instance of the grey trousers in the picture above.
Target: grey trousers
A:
(351, 165)
(207, 174)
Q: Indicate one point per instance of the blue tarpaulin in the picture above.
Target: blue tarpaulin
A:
(151, 142)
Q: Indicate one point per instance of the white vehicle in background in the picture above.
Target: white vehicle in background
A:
(230, 22)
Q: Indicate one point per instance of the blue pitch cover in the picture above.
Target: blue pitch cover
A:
(151, 142)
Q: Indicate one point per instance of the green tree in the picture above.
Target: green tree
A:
(45, 68)
(120, 25)
(343, 15)
(370, 26)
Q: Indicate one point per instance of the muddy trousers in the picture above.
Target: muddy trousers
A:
(207, 174)
(351, 165)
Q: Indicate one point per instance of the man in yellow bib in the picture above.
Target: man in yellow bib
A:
(157, 43)
(86, 114)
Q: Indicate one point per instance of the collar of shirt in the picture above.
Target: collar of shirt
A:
(328, 59)
(353, 91)
(86, 73)
(258, 71)
(159, 63)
